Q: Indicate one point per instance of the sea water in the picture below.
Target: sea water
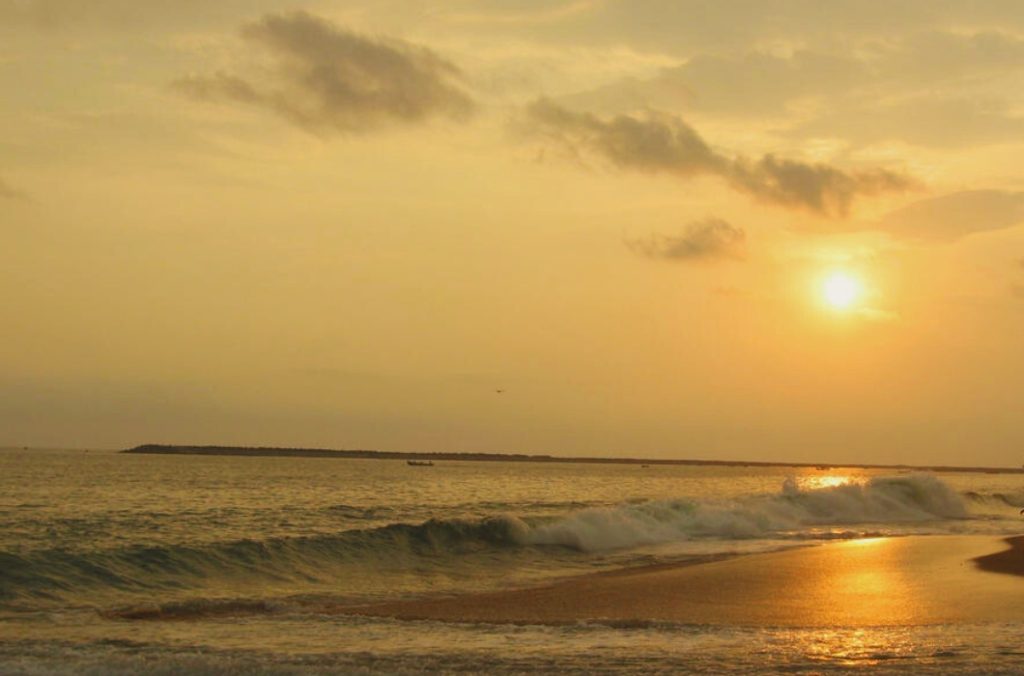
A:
(116, 563)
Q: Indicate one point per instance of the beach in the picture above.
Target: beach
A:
(511, 337)
(872, 582)
(114, 563)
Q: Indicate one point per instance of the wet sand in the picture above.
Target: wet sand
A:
(873, 582)
(1009, 561)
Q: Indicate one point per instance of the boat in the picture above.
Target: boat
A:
(420, 463)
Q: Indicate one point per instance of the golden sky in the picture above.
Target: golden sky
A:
(768, 230)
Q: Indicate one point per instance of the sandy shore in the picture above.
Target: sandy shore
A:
(874, 582)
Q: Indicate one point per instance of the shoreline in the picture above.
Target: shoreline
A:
(890, 581)
(1007, 562)
(264, 452)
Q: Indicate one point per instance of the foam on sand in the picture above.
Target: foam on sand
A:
(870, 582)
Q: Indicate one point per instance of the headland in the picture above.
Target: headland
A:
(265, 451)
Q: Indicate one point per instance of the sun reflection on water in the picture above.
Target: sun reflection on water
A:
(814, 482)
(857, 647)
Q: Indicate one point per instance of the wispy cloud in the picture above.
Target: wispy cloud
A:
(547, 13)
(709, 239)
(7, 191)
(957, 214)
(329, 79)
(660, 142)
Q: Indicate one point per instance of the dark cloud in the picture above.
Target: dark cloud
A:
(654, 143)
(818, 187)
(664, 143)
(328, 79)
(712, 238)
(957, 214)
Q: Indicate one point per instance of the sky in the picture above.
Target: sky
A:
(348, 224)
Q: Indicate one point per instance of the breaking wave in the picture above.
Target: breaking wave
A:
(880, 501)
(881, 504)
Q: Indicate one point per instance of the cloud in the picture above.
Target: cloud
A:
(659, 142)
(123, 15)
(957, 215)
(520, 14)
(712, 238)
(913, 88)
(656, 143)
(681, 27)
(1016, 288)
(938, 120)
(758, 82)
(328, 79)
(9, 192)
(818, 187)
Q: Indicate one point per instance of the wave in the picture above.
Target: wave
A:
(912, 498)
(1014, 499)
(793, 512)
(48, 574)
(195, 609)
(378, 513)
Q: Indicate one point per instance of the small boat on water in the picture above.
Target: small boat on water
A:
(420, 463)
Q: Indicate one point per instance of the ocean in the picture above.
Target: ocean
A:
(116, 563)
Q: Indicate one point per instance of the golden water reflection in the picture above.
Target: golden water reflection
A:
(812, 482)
(857, 647)
(862, 582)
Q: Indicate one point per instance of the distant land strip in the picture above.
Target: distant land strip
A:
(262, 451)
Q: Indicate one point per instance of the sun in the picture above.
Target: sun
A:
(841, 290)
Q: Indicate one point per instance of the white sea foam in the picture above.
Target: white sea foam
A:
(912, 498)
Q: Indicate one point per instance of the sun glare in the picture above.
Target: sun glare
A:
(841, 290)
(818, 482)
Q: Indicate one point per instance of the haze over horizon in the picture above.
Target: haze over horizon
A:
(767, 231)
